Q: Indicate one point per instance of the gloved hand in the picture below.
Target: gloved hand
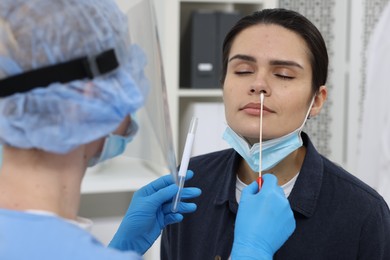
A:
(264, 221)
(149, 212)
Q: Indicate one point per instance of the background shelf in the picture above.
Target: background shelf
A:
(120, 174)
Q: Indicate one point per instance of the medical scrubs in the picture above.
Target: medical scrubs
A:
(25, 235)
(337, 216)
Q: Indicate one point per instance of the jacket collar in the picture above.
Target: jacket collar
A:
(305, 193)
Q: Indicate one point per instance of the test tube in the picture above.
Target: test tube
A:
(184, 162)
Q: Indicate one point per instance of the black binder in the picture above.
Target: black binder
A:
(201, 48)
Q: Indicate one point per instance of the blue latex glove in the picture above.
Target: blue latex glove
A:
(149, 212)
(264, 221)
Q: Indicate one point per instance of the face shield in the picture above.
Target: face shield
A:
(153, 143)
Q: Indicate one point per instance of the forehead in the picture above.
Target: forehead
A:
(269, 42)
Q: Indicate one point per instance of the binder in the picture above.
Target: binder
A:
(198, 51)
(201, 48)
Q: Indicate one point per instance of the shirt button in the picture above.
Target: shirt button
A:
(217, 257)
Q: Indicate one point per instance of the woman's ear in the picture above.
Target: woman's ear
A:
(319, 101)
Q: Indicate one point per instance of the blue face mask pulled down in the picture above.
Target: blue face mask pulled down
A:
(115, 145)
(273, 151)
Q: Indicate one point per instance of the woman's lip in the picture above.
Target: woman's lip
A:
(254, 111)
(256, 106)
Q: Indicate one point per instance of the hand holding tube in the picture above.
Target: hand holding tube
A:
(149, 212)
(264, 221)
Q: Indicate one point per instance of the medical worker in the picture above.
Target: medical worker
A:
(70, 82)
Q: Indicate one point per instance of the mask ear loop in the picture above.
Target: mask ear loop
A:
(311, 105)
(307, 116)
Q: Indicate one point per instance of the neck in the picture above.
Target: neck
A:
(284, 170)
(33, 179)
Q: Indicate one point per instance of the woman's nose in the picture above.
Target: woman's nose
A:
(254, 91)
(259, 86)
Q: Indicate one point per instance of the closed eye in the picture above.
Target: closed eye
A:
(284, 77)
(242, 72)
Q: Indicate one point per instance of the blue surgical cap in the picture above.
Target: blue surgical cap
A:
(62, 116)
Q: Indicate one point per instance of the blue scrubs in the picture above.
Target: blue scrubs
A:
(31, 236)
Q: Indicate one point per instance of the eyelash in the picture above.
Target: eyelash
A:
(284, 77)
(243, 72)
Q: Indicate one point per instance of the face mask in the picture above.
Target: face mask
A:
(115, 145)
(273, 151)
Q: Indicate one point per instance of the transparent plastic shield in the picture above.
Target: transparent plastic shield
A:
(153, 143)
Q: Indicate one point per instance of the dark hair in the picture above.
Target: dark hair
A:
(290, 20)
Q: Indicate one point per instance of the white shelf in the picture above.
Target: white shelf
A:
(120, 174)
(200, 93)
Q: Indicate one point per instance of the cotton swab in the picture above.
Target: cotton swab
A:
(260, 179)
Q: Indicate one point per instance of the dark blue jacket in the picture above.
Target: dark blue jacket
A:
(337, 215)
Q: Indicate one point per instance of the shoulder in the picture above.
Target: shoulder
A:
(214, 156)
(329, 180)
(216, 166)
(50, 237)
(213, 160)
(349, 183)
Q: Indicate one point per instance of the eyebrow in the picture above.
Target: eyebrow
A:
(243, 57)
(286, 63)
(272, 62)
